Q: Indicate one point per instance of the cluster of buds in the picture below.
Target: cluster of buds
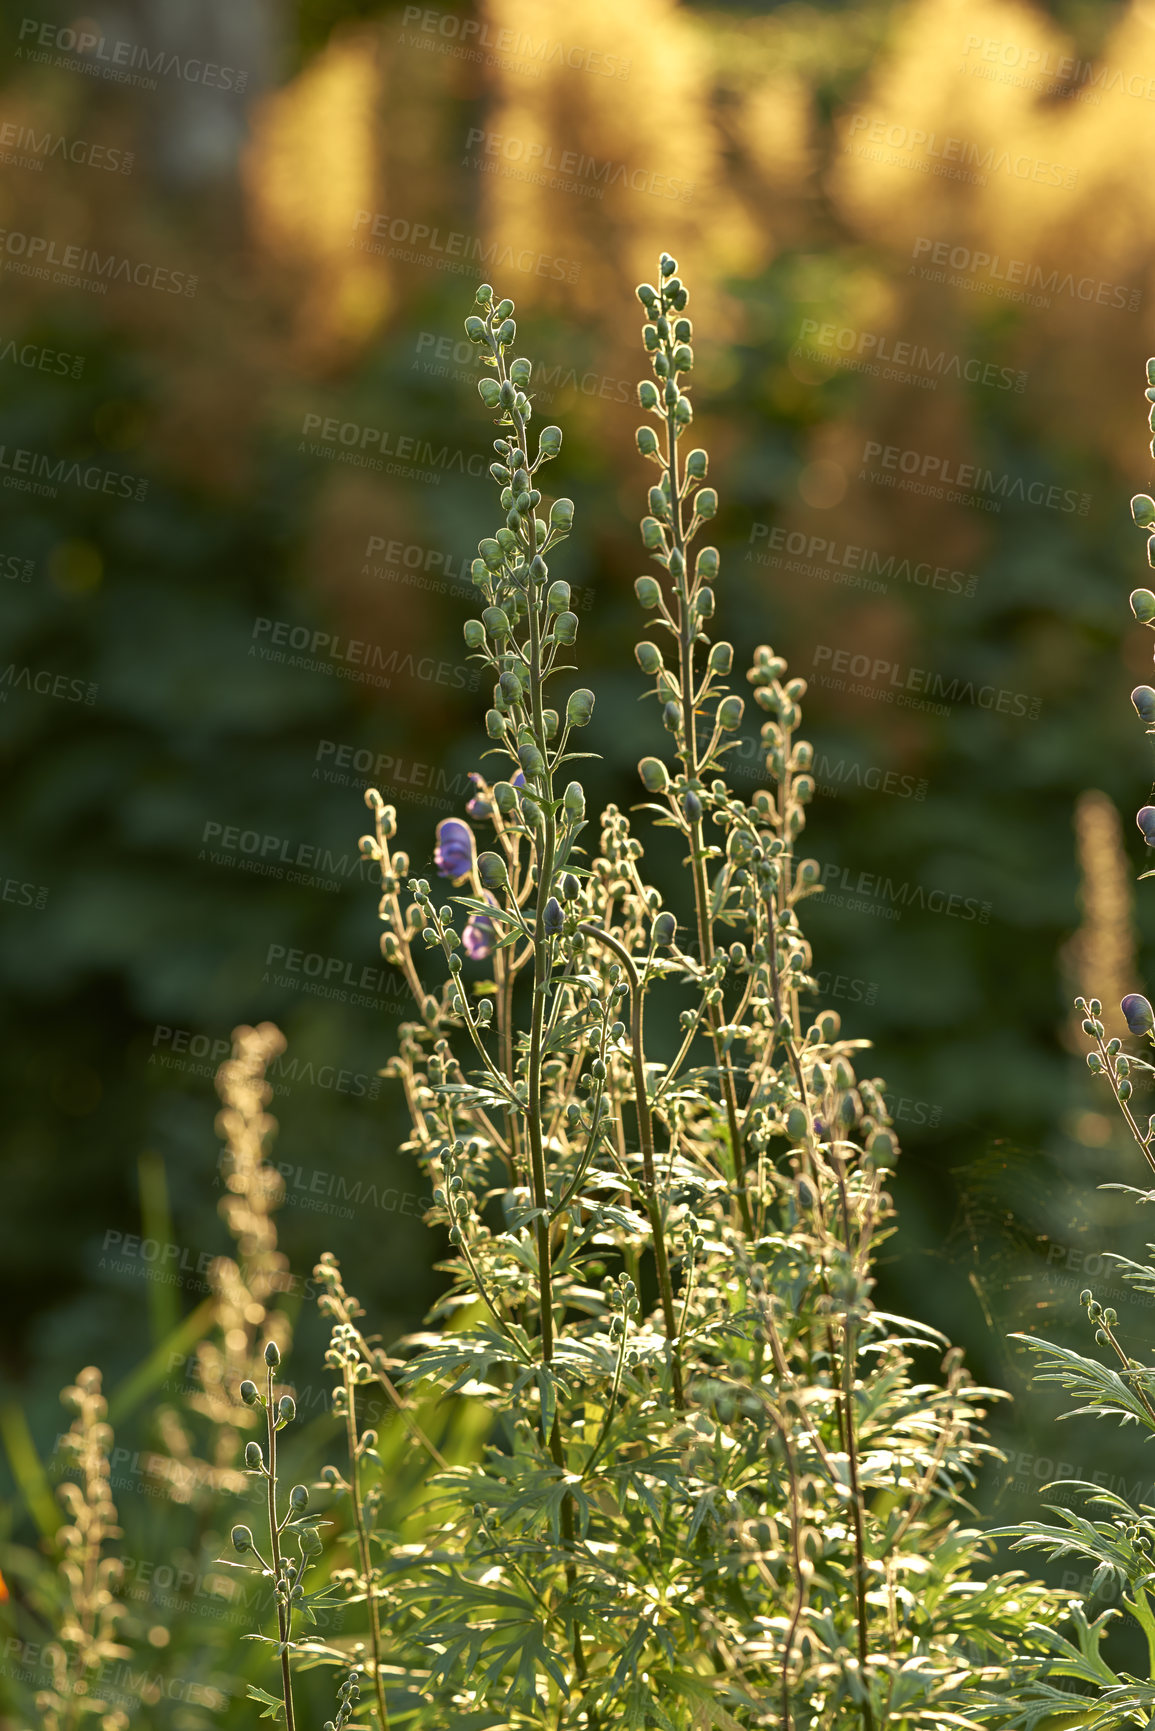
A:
(348, 1695)
(453, 1196)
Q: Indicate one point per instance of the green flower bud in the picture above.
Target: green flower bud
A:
(648, 591)
(704, 603)
(1143, 698)
(479, 572)
(242, 1539)
(730, 712)
(646, 293)
(665, 927)
(299, 1497)
(531, 760)
(696, 465)
(286, 1409)
(881, 1145)
(495, 724)
(503, 309)
(484, 294)
(648, 656)
(570, 886)
(566, 628)
(574, 801)
(683, 411)
(557, 598)
(549, 442)
(549, 721)
(489, 391)
(496, 622)
(249, 1393)
(272, 1354)
(655, 776)
(706, 564)
(672, 716)
(1143, 605)
(706, 502)
(1151, 372)
(721, 657)
(580, 707)
(683, 357)
(648, 394)
(474, 634)
(254, 1459)
(491, 870)
(505, 333)
(808, 872)
(561, 515)
(647, 441)
(505, 798)
(520, 372)
(309, 1540)
(652, 537)
(475, 329)
(491, 553)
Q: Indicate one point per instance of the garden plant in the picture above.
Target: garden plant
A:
(1119, 1546)
(710, 1482)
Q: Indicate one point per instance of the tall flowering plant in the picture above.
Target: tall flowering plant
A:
(1118, 1547)
(713, 1490)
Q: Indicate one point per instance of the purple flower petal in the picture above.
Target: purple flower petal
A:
(480, 934)
(453, 855)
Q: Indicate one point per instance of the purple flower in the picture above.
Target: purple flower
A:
(1137, 1013)
(453, 855)
(480, 934)
(478, 806)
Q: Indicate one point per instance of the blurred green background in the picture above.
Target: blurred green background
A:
(917, 238)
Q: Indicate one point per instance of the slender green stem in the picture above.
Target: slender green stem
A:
(646, 1137)
(687, 631)
(284, 1607)
(354, 1443)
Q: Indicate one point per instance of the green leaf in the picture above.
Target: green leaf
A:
(274, 1709)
